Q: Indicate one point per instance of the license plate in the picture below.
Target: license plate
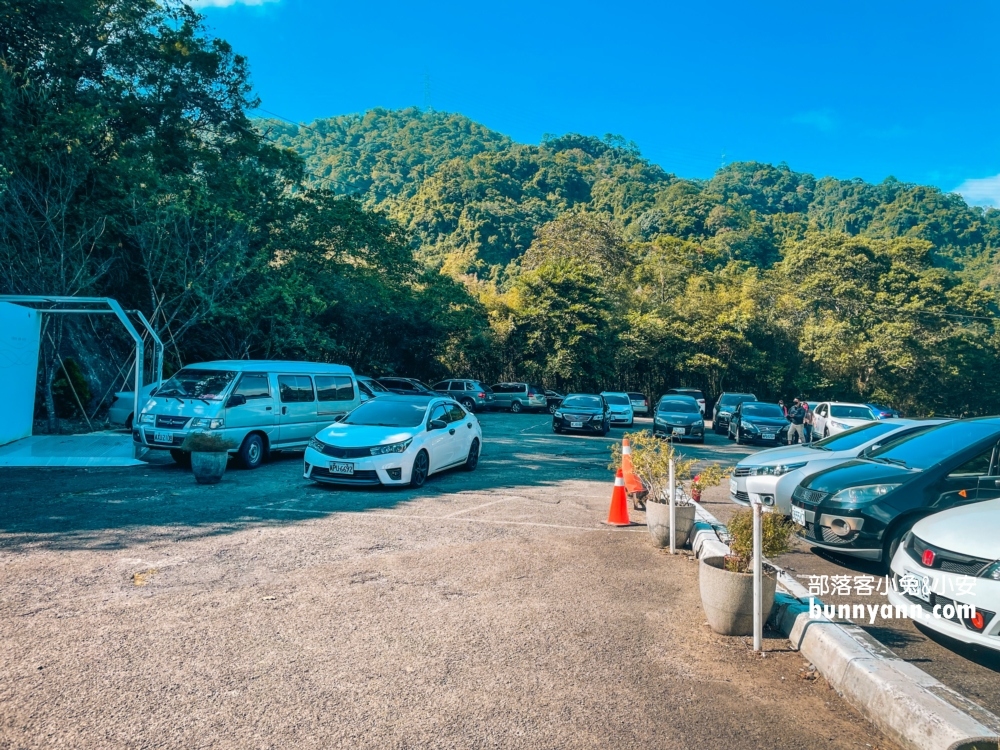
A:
(163, 437)
(337, 468)
(679, 430)
(576, 424)
(767, 437)
(732, 486)
(924, 592)
(799, 515)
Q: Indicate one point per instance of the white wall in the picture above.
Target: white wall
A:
(20, 332)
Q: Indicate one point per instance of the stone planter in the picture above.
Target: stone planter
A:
(658, 523)
(728, 597)
(208, 468)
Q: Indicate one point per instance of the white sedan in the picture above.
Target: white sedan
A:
(946, 574)
(395, 440)
(121, 410)
(831, 417)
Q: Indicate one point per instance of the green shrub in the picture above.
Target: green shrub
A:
(776, 534)
(207, 442)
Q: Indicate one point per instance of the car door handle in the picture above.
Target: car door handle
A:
(267, 408)
(996, 482)
(451, 431)
(284, 410)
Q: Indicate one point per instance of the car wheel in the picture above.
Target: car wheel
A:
(701, 439)
(252, 452)
(826, 432)
(181, 458)
(892, 544)
(418, 474)
(472, 460)
(515, 407)
(128, 422)
(605, 429)
(469, 404)
(553, 408)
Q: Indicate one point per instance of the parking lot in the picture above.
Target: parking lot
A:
(974, 674)
(491, 609)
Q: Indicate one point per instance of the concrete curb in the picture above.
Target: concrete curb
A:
(907, 704)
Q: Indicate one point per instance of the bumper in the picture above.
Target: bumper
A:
(590, 427)
(779, 438)
(690, 432)
(955, 590)
(622, 418)
(862, 544)
(369, 471)
(721, 423)
(144, 435)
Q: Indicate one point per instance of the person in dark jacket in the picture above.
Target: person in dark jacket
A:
(796, 432)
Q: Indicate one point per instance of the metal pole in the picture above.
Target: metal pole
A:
(758, 603)
(672, 489)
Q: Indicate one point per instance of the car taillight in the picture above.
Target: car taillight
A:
(928, 558)
(482, 395)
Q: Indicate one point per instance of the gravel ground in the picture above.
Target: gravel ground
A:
(139, 610)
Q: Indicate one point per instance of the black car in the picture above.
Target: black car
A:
(883, 412)
(583, 412)
(554, 399)
(758, 422)
(864, 507)
(406, 386)
(680, 418)
(725, 405)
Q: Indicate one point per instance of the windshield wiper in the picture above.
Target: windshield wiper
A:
(816, 447)
(885, 460)
(199, 398)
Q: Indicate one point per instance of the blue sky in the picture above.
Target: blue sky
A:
(846, 89)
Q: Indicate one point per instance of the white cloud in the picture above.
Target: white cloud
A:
(983, 192)
(821, 119)
(226, 3)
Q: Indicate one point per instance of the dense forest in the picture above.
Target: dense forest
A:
(421, 243)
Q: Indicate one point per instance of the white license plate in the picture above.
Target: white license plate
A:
(732, 486)
(799, 515)
(924, 593)
(767, 437)
(576, 424)
(338, 468)
(679, 430)
(163, 437)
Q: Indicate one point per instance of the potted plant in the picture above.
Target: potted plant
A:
(726, 583)
(209, 455)
(710, 476)
(651, 458)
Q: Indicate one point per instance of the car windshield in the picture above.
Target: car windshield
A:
(925, 449)
(851, 412)
(618, 399)
(191, 382)
(582, 402)
(374, 386)
(762, 410)
(734, 399)
(677, 406)
(692, 394)
(854, 437)
(383, 413)
(637, 397)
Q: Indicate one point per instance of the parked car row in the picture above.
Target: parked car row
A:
(920, 496)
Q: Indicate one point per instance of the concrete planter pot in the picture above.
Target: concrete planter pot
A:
(658, 523)
(208, 468)
(728, 597)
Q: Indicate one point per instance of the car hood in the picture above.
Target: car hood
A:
(191, 407)
(767, 421)
(968, 530)
(362, 436)
(684, 417)
(856, 473)
(782, 454)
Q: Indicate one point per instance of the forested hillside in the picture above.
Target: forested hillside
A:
(423, 244)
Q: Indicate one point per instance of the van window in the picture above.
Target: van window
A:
(295, 389)
(254, 386)
(334, 388)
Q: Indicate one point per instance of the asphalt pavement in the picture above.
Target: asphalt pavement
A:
(491, 609)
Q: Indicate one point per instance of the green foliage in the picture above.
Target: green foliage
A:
(207, 442)
(776, 535)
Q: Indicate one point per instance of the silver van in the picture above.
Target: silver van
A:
(518, 397)
(259, 405)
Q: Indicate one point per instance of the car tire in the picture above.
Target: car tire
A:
(605, 429)
(701, 440)
(472, 460)
(421, 467)
(469, 404)
(826, 432)
(128, 422)
(553, 408)
(181, 458)
(253, 452)
(515, 407)
(892, 543)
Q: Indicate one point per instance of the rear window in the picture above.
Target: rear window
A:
(731, 399)
(675, 406)
(637, 397)
(851, 412)
(687, 392)
(536, 389)
(612, 398)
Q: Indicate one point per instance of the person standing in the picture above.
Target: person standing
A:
(807, 422)
(797, 415)
(784, 409)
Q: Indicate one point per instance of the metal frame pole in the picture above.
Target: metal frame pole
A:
(758, 570)
(672, 484)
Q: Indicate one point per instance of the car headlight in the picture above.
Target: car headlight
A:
(751, 427)
(775, 471)
(381, 450)
(147, 418)
(725, 414)
(661, 420)
(557, 414)
(992, 571)
(316, 444)
(212, 424)
(864, 494)
(839, 425)
(699, 423)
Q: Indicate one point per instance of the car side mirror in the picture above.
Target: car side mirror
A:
(237, 399)
(437, 424)
(339, 418)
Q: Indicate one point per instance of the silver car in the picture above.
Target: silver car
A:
(620, 406)
(519, 397)
(774, 473)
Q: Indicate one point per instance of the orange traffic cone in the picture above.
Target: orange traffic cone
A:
(618, 513)
(633, 484)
